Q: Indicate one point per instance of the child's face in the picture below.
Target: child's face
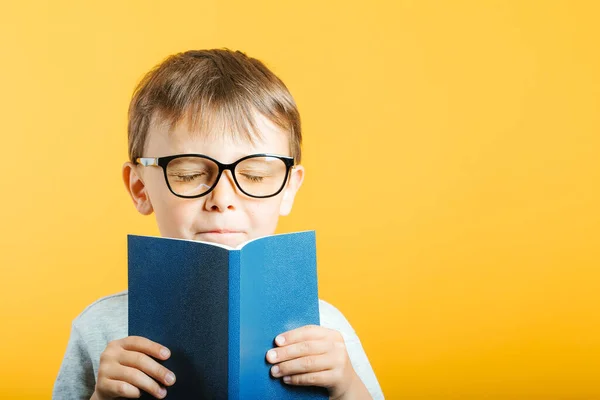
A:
(225, 215)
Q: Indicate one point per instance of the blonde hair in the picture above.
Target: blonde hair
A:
(218, 91)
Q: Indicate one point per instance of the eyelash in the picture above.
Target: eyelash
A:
(254, 178)
(188, 178)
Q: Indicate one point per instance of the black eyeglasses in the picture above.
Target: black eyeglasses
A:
(195, 175)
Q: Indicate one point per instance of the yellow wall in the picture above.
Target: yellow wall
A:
(453, 177)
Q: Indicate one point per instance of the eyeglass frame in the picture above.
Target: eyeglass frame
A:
(164, 161)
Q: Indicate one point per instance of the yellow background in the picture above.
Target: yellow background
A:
(452, 166)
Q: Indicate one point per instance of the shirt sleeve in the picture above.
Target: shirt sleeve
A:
(76, 379)
(332, 318)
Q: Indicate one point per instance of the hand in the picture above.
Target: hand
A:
(126, 368)
(315, 356)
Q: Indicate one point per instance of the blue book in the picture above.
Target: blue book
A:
(218, 309)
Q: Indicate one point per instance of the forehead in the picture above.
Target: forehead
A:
(218, 140)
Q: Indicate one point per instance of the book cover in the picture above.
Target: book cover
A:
(218, 309)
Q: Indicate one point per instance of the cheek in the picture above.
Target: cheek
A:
(264, 215)
(175, 217)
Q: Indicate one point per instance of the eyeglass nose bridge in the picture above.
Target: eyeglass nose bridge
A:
(222, 168)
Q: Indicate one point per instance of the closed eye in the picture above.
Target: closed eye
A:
(181, 177)
(253, 178)
(188, 178)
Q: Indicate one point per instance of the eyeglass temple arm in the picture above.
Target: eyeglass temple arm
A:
(147, 161)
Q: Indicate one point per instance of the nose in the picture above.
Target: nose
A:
(223, 196)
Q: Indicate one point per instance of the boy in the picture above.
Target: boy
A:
(214, 147)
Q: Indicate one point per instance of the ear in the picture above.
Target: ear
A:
(289, 193)
(136, 188)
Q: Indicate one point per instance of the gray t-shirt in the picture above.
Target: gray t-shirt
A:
(106, 320)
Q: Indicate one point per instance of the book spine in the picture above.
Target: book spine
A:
(233, 383)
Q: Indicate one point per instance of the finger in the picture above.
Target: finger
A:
(296, 350)
(302, 365)
(308, 332)
(146, 346)
(322, 378)
(147, 365)
(140, 380)
(115, 388)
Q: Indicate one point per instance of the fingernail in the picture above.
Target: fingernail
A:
(162, 392)
(280, 340)
(287, 379)
(275, 370)
(170, 378)
(164, 352)
(272, 355)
